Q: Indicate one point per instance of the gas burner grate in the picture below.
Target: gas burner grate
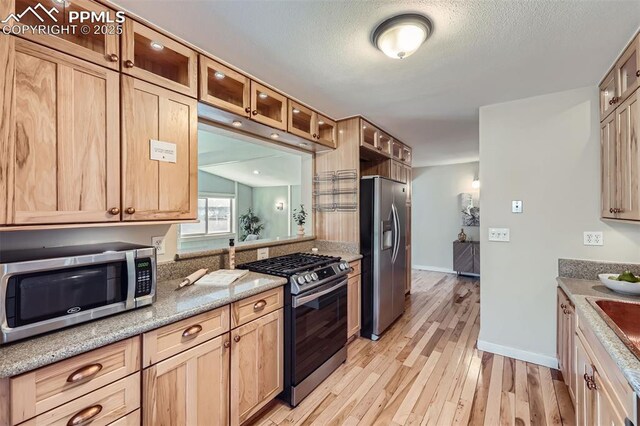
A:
(287, 265)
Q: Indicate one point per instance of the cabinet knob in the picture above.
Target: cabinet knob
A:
(615, 99)
(562, 305)
(315, 136)
(130, 210)
(247, 110)
(254, 112)
(227, 344)
(638, 73)
(128, 63)
(113, 57)
(236, 339)
(192, 331)
(114, 211)
(84, 416)
(84, 373)
(611, 210)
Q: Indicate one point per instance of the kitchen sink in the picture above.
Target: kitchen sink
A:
(623, 318)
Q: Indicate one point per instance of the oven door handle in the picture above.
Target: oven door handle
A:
(301, 300)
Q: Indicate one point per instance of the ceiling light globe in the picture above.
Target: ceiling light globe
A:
(401, 36)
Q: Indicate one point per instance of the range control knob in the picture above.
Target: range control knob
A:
(343, 266)
(308, 278)
(301, 279)
(314, 276)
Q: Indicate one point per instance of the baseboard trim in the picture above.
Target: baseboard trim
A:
(544, 360)
(434, 269)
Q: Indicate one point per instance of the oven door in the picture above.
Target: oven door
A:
(320, 327)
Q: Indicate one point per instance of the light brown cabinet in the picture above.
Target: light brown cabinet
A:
(268, 106)
(368, 136)
(397, 150)
(306, 123)
(63, 144)
(407, 154)
(190, 388)
(256, 365)
(566, 331)
(627, 69)
(153, 189)
(385, 142)
(354, 286)
(99, 47)
(158, 59)
(608, 94)
(224, 87)
(327, 131)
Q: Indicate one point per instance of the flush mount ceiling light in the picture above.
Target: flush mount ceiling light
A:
(156, 45)
(400, 36)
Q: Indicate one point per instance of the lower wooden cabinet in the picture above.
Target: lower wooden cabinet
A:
(191, 388)
(353, 306)
(566, 332)
(257, 370)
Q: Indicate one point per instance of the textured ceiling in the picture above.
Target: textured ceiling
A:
(481, 52)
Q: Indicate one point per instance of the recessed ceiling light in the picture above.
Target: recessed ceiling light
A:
(236, 123)
(156, 45)
(274, 136)
(263, 95)
(400, 36)
(295, 111)
(219, 75)
(303, 144)
(321, 122)
(256, 172)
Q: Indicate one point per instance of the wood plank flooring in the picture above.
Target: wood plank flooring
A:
(426, 370)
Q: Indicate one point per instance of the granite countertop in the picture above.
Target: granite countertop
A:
(346, 256)
(170, 306)
(580, 292)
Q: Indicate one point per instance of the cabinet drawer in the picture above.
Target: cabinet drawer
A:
(48, 387)
(101, 407)
(174, 338)
(356, 268)
(132, 419)
(253, 307)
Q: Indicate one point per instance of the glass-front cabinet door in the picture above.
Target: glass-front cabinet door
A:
(223, 87)
(368, 135)
(608, 95)
(396, 150)
(151, 56)
(101, 45)
(302, 121)
(628, 69)
(327, 131)
(268, 106)
(384, 144)
(406, 154)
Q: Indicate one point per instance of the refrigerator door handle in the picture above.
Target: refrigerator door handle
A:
(396, 233)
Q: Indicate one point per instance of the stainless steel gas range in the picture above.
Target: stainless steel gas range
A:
(315, 312)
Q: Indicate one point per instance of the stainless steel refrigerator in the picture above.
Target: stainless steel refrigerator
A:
(383, 218)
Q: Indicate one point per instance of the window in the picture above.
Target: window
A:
(215, 215)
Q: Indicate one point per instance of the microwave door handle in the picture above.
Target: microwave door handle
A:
(301, 300)
(130, 303)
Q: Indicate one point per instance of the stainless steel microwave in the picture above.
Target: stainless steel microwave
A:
(47, 289)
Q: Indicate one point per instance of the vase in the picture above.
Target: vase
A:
(300, 230)
(462, 237)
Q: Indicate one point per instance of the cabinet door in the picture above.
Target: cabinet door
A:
(327, 131)
(606, 412)
(268, 106)
(608, 94)
(628, 69)
(223, 87)
(302, 121)
(191, 388)
(385, 143)
(353, 306)
(628, 159)
(66, 147)
(397, 150)
(153, 189)
(407, 155)
(570, 329)
(256, 365)
(156, 58)
(476, 258)
(608, 155)
(101, 49)
(409, 175)
(585, 397)
(463, 257)
(368, 135)
(560, 330)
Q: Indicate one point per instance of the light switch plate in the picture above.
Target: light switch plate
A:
(158, 243)
(593, 238)
(516, 206)
(499, 234)
(263, 253)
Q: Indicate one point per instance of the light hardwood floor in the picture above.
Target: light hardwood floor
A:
(426, 370)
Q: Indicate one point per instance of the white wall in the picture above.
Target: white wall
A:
(545, 151)
(436, 219)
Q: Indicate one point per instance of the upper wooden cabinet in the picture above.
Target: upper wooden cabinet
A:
(608, 94)
(627, 69)
(153, 189)
(156, 58)
(223, 87)
(626, 173)
(368, 135)
(406, 154)
(63, 151)
(302, 121)
(385, 142)
(397, 150)
(327, 131)
(99, 47)
(268, 106)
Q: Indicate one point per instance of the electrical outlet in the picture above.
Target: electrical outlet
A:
(263, 253)
(593, 238)
(158, 243)
(499, 234)
(516, 206)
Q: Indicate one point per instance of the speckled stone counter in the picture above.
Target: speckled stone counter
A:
(171, 306)
(579, 292)
(349, 257)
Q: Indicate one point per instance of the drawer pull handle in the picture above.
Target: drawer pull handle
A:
(84, 373)
(85, 415)
(192, 331)
(259, 305)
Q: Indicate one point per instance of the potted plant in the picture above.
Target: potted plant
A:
(250, 224)
(300, 217)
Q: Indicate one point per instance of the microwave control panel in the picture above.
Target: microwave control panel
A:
(144, 277)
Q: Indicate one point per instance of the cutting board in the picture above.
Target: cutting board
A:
(222, 277)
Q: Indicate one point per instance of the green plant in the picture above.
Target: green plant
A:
(300, 216)
(250, 224)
